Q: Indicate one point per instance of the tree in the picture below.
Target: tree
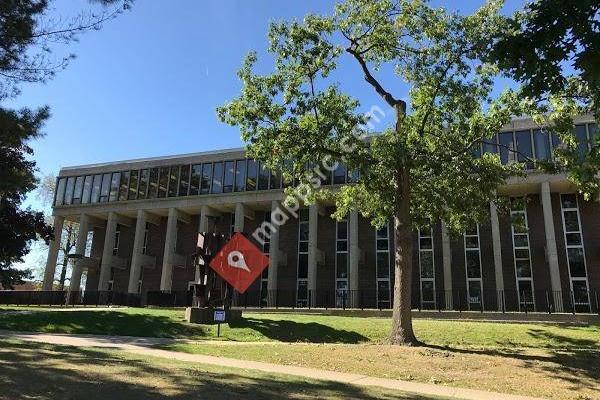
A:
(45, 193)
(423, 169)
(553, 46)
(27, 35)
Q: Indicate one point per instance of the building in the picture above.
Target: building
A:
(142, 218)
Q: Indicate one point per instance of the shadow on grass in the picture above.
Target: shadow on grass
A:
(291, 331)
(99, 322)
(41, 371)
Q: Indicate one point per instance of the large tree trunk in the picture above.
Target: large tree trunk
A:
(402, 330)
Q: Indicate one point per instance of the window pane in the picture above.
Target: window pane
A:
(522, 254)
(556, 141)
(87, 189)
(525, 291)
(342, 230)
(582, 142)
(524, 147)
(473, 266)
(383, 290)
(195, 179)
(427, 291)
(383, 232)
(105, 190)
(69, 190)
(184, 180)
(475, 292)
(576, 262)
(123, 188)
(382, 244)
(207, 177)
(303, 235)
(471, 242)
(60, 191)
(115, 182)
(383, 265)
(275, 180)
(302, 290)
(521, 240)
(568, 200)
(302, 266)
(133, 185)
(426, 243)
(240, 175)
(163, 181)
(303, 247)
(571, 221)
(573, 239)
(507, 144)
(542, 144)
(143, 183)
(339, 174)
(96, 184)
(153, 188)
(252, 174)
(426, 260)
(342, 245)
(263, 177)
(490, 146)
(580, 292)
(173, 181)
(303, 214)
(78, 190)
(523, 268)
(217, 182)
(228, 179)
(341, 265)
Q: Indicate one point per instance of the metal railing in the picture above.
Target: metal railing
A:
(456, 300)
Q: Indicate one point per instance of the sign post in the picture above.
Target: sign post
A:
(219, 317)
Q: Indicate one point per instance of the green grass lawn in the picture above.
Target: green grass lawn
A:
(297, 328)
(49, 372)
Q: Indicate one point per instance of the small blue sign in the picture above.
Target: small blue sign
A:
(219, 316)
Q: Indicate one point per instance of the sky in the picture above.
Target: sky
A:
(148, 83)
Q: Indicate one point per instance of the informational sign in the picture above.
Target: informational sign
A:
(239, 262)
(219, 316)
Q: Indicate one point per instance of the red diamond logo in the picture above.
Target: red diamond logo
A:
(239, 262)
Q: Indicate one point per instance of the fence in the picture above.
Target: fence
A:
(456, 300)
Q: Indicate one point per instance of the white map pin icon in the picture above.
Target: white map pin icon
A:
(235, 259)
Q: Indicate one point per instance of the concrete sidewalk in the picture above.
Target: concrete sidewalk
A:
(143, 346)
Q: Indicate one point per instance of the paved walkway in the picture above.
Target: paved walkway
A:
(143, 346)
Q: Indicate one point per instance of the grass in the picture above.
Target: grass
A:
(39, 371)
(297, 328)
(547, 360)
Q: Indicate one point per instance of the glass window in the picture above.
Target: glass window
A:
(78, 190)
(541, 141)
(173, 181)
(184, 180)
(105, 189)
(594, 134)
(195, 179)
(207, 176)
(474, 292)
(341, 265)
(302, 266)
(217, 180)
(339, 174)
(473, 264)
(582, 141)
(133, 185)
(490, 146)
(263, 177)
(427, 291)
(576, 262)
(383, 263)
(115, 182)
(87, 189)
(124, 186)
(506, 146)
(60, 191)
(251, 175)
(568, 200)
(69, 190)
(426, 258)
(383, 290)
(163, 181)
(275, 180)
(144, 182)
(571, 221)
(524, 146)
(240, 175)
(228, 179)
(303, 231)
(96, 186)
(523, 268)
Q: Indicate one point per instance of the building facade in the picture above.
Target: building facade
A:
(139, 221)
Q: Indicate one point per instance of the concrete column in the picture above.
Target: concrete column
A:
(447, 265)
(166, 278)
(136, 258)
(497, 248)
(240, 216)
(353, 257)
(313, 220)
(107, 251)
(273, 258)
(551, 251)
(80, 251)
(53, 249)
(205, 212)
